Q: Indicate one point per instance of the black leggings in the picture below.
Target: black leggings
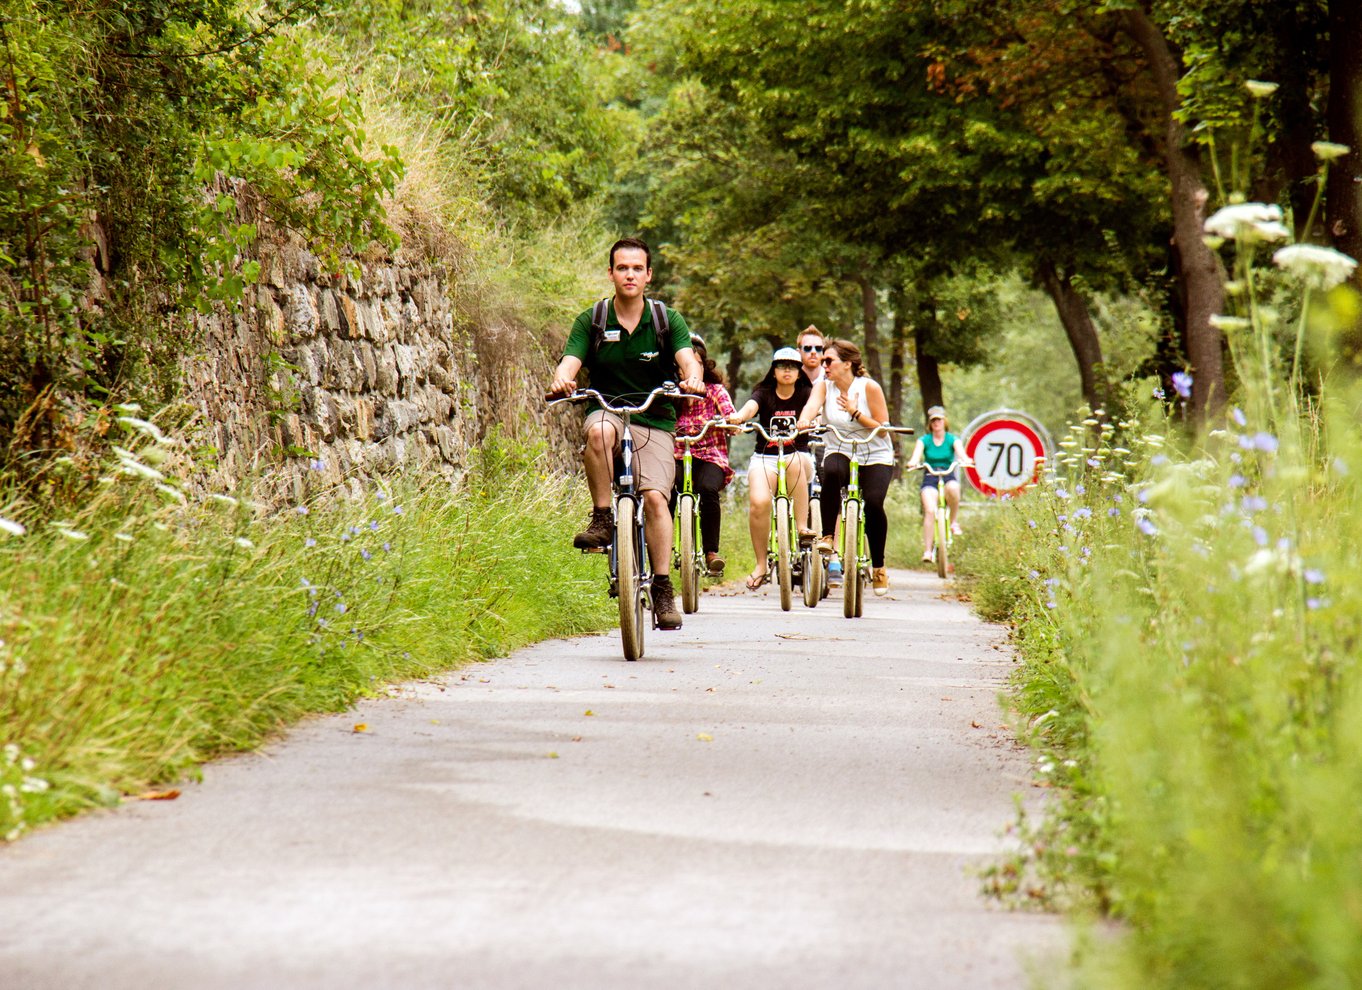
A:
(874, 480)
(707, 480)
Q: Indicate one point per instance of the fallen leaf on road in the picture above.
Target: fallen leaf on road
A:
(360, 727)
(975, 725)
(576, 738)
(169, 795)
(552, 756)
(705, 737)
(588, 712)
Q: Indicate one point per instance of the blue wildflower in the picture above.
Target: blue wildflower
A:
(1238, 480)
(1238, 416)
(1158, 460)
(1182, 383)
(365, 554)
(341, 608)
(1260, 536)
(309, 542)
(1313, 575)
(1146, 527)
(1266, 442)
(1113, 512)
(1253, 503)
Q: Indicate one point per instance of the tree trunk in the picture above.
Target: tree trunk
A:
(1201, 270)
(1078, 326)
(728, 331)
(870, 318)
(900, 335)
(1343, 215)
(928, 369)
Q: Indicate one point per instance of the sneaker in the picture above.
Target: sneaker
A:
(824, 545)
(714, 563)
(835, 572)
(927, 557)
(879, 580)
(955, 529)
(598, 533)
(664, 604)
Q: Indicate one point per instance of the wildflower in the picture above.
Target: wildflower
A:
(301, 510)
(309, 542)
(1034, 574)
(133, 467)
(1094, 462)
(1248, 222)
(373, 526)
(12, 528)
(1327, 151)
(171, 492)
(1259, 90)
(1238, 416)
(365, 554)
(1113, 512)
(381, 495)
(387, 547)
(1265, 442)
(69, 533)
(1226, 324)
(1313, 575)
(244, 543)
(1061, 493)
(397, 510)
(128, 408)
(1260, 536)
(1146, 527)
(224, 499)
(1253, 503)
(1052, 582)
(1158, 392)
(1321, 267)
(123, 537)
(1314, 603)
(341, 608)
(1031, 523)
(318, 464)
(1080, 490)
(150, 429)
(1182, 383)
(1158, 460)
(1082, 513)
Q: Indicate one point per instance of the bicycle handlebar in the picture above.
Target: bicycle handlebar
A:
(780, 439)
(924, 466)
(882, 428)
(666, 389)
(718, 424)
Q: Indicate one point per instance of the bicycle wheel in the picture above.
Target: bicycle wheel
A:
(943, 535)
(864, 582)
(690, 570)
(784, 574)
(851, 562)
(813, 575)
(628, 564)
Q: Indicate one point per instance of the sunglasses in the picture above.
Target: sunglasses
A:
(810, 348)
(827, 361)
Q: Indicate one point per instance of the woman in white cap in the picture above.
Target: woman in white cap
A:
(938, 448)
(854, 403)
(783, 392)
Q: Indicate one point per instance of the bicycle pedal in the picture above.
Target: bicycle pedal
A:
(595, 549)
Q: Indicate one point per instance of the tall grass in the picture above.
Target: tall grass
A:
(1189, 618)
(152, 631)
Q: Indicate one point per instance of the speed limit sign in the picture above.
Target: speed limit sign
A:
(1009, 450)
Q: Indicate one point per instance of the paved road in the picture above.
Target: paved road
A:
(765, 800)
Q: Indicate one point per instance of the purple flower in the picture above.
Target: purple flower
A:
(1265, 442)
(1253, 503)
(1158, 392)
(1079, 489)
(387, 547)
(340, 607)
(365, 554)
(1238, 481)
(1260, 536)
(309, 542)
(301, 510)
(1061, 493)
(1182, 383)
(1238, 416)
(1313, 575)
(1146, 527)
(1158, 460)
(1031, 523)
(1035, 574)
(1093, 462)
(373, 526)
(1083, 513)
(1113, 512)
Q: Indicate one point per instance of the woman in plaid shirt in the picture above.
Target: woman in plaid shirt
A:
(710, 470)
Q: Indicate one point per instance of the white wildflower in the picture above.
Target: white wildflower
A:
(147, 427)
(11, 527)
(1327, 151)
(137, 469)
(244, 543)
(123, 537)
(224, 499)
(171, 491)
(1228, 324)
(1321, 267)
(69, 533)
(1259, 89)
(128, 408)
(1248, 222)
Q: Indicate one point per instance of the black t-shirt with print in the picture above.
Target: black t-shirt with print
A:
(769, 404)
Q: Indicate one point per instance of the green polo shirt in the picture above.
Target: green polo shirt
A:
(630, 367)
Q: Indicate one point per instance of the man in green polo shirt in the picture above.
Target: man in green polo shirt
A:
(628, 363)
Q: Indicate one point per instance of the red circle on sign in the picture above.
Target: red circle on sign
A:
(1015, 426)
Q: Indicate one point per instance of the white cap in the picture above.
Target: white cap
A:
(786, 354)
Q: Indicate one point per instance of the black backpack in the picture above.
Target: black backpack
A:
(662, 326)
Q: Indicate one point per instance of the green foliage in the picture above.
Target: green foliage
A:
(152, 631)
(141, 144)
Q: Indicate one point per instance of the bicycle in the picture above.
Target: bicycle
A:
(689, 554)
(779, 552)
(631, 577)
(814, 564)
(942, 531)
(855, 548)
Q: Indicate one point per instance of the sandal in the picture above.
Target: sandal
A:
(755, 581)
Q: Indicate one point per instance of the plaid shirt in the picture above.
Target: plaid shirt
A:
(691, 418)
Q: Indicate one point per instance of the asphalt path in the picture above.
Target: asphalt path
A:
(766, 799)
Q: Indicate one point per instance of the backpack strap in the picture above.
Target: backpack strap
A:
(662, 326)
(600, 313)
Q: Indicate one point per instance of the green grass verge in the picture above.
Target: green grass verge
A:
(151, 632)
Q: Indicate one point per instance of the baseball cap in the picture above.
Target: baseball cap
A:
(936, 412)
(786, 354)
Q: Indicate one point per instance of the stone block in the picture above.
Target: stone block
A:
(302, 313)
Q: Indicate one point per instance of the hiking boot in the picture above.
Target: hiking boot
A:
(834, 573)
(598, 533)
(664, 603)
(714, 564)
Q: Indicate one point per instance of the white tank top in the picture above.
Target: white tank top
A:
(878, 451)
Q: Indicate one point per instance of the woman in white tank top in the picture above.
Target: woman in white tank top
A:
(855, 405)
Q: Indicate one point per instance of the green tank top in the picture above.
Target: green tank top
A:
(939, 455)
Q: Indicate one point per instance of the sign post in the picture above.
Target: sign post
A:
(1009, 450)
